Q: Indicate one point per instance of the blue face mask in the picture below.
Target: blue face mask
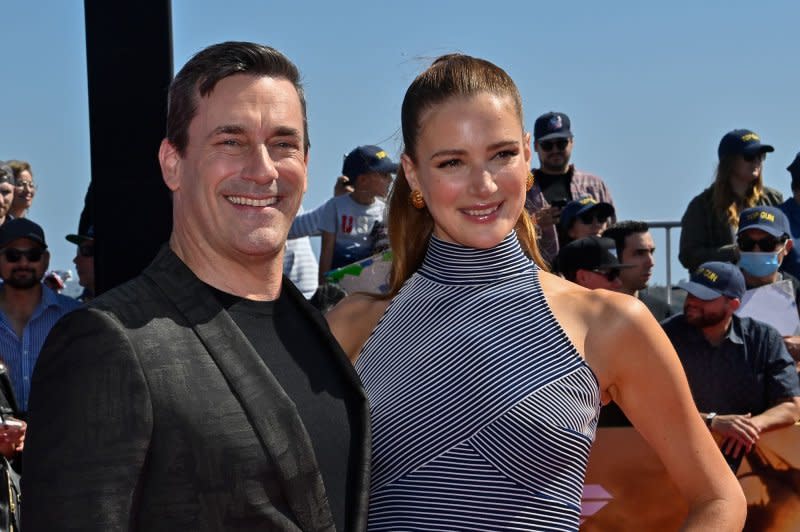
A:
(759, 264)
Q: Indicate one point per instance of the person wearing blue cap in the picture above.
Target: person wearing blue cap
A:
(583, 217)
(742, 378)
(346, 221)
(709, 224)
(791, 208)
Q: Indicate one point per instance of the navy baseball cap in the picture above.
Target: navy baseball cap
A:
(21, 228)
(79, 239)
(742, 142)
(584, 204)
(769, 219)
(366, 159)
(552, 125)
(590, 253)
(715, 279)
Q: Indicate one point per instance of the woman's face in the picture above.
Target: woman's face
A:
(745, 171)
(24, 191)
(472, 161)
(589, 223)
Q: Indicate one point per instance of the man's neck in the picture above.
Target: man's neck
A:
(256, 278)
(555, 171)
(796, 193)
(19, 304)
(752, 281)
(716, 333)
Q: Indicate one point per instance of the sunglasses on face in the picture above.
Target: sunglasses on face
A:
(15, 254)
(768, 243)
(750, 157)
(547, 145)
(589, 217)
(86, 250)
(610, 275)
(26, 184)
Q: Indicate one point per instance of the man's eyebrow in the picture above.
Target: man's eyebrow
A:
(228, 129)
(286, 131)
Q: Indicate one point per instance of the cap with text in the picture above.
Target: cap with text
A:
(714, 279)
(742, 142)
(551, 126)
(771, 220)
(366, 159)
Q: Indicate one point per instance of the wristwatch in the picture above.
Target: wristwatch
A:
(709, 418)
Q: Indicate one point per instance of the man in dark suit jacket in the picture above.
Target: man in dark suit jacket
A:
(206, 394)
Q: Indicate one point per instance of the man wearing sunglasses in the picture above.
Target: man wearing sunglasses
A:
(763, 242)
(557, 182)
(28, 309)
(84, 262)
(591, 262)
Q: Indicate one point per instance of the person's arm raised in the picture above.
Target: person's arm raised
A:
(647, 381)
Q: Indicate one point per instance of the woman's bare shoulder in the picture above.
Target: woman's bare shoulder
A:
(353, 319)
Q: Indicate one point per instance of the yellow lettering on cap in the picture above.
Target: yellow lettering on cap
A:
(586, 201)
(750, 136)
(767, 216)
(381, 154)
(708, 274)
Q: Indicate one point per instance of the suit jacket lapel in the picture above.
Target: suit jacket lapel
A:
(272, 413)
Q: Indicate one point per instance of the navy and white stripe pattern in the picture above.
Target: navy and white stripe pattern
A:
(483, 412)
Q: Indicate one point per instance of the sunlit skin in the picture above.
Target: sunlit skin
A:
(24, 191)
(640, 252)
(713, 317)
(471, 165)
(555, 161)
(23, 273)
(239, 184)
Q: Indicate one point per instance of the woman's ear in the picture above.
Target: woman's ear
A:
(410, 170)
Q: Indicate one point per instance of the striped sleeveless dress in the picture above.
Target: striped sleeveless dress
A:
(483, 412)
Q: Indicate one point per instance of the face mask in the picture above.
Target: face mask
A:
(759, 264)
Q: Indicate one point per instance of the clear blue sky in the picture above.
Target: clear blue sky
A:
(650, 88)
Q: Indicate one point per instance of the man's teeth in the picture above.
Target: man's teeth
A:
(252, 202)
(482, 212)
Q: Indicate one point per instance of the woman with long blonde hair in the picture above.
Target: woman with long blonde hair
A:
(708, 227)
(485, 373)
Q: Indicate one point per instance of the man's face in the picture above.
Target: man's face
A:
(18, 268)
(242, 177)
(84, 264)
(607, 279)
(758, 240)
(701, 314)
(640, 251)
(554, 154)
(6, 197)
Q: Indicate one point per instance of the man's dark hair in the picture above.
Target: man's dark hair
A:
(620, 231)
(201, 73)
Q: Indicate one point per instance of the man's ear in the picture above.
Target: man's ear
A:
(46, 260)
(734, 304)
(581, 278)
(170, 161)
(410, 170)
(788, 246)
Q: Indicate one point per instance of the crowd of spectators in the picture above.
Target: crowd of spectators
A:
(737, 236)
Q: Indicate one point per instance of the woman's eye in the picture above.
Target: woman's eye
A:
(450, 163)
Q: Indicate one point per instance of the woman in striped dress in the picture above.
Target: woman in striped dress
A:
(485, 374)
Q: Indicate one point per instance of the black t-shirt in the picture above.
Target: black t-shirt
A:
(302, 364)
(555, 187)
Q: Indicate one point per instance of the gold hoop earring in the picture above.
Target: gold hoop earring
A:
(529, 181)
(417, 200)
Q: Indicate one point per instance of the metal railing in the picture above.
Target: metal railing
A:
(667, 227)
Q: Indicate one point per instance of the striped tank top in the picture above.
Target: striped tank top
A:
(483, 412)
